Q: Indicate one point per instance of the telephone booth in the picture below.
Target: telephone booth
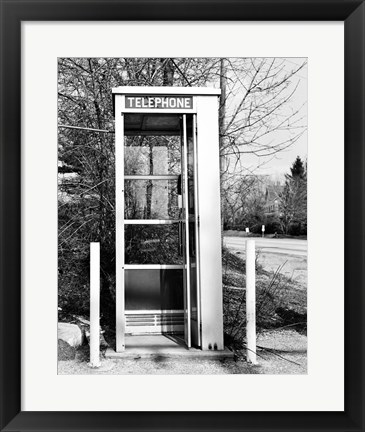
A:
(168, 226)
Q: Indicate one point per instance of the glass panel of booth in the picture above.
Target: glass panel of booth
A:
(152, 166)
(152, 155)
(152, 244)
(151, 198)
(152, 177)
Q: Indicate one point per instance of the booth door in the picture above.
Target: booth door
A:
(190, 224)
(159, 241)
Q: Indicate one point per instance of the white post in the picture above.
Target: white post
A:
(251, 301)
(94, 305)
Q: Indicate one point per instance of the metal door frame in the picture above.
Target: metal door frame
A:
(186, 244)
(197, 223)
(121, 222)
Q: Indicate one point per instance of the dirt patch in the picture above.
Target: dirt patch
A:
(280, 352)
(289, 349)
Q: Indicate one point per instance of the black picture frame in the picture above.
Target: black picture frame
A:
(352, 12)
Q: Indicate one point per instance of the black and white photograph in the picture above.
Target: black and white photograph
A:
(182, 215)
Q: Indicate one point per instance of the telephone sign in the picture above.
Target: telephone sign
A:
(159, 102)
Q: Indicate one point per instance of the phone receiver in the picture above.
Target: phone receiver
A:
(179, 192)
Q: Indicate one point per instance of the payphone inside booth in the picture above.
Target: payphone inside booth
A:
(168, 232)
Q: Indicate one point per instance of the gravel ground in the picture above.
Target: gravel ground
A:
(286, 343)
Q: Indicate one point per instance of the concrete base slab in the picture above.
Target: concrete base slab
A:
(163, 346)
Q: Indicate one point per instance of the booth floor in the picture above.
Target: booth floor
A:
(163, 346)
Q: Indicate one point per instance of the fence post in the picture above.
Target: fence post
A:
(94, 305)
(251, 301)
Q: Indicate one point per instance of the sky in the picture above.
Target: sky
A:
(280, 164)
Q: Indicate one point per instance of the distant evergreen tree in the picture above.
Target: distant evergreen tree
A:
(293, 200)
(298, 169)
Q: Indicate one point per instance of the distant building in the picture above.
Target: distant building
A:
(272, 192)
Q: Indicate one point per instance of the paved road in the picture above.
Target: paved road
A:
(278, 246)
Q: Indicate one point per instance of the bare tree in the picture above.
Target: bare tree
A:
(255, 117)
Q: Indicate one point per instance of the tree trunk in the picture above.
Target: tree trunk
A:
(149, 185)
(222, 124)
(168, 72)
